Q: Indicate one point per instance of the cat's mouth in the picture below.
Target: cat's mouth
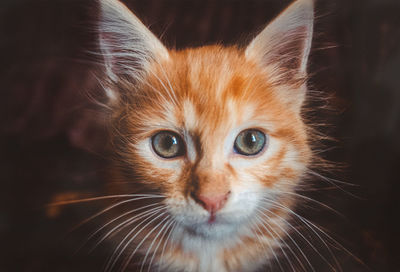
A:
(214, 224)
(212, 219)
(207, 230)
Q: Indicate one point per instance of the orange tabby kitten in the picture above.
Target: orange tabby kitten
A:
(211, 138)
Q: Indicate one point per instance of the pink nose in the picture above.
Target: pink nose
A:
(212, 203)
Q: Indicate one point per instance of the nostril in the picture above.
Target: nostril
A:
(211, 202)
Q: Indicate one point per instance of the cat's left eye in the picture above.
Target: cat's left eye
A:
(168, 144)
(250, 142)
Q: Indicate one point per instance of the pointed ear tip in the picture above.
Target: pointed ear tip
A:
(111, 6)
(303, 6)
(306, 2)
(103, 3)
(304, 9)
(307, 5)
(104, 6)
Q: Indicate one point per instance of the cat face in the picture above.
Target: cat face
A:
(216, 131)
(192, 123)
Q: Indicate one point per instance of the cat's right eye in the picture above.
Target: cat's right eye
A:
(168, 144)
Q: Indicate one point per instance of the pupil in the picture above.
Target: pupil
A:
(169, 141)
(251, 139)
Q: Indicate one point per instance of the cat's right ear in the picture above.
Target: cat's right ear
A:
(126, 44)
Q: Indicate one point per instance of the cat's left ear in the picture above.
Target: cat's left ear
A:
(283, 47)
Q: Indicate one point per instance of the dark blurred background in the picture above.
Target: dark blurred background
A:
(51, 139)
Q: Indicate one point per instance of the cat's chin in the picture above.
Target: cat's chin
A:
(213, 231)
(217, 229)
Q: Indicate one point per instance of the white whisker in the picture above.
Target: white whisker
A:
(166, 241)
(268, 228)
(127, 262)
(113, 206)
(293, 241)
(269, 244)
(311, 200)
(153, 241)
(114, 258)
(273, 203)
(159, 243)
(125, 224)
(76, 201)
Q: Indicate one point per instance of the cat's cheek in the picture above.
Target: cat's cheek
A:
(245, 198)
(297, 160)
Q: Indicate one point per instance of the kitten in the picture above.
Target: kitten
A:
(211, 139)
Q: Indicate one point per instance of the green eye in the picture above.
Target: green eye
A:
(168, 144)
(250, 142)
